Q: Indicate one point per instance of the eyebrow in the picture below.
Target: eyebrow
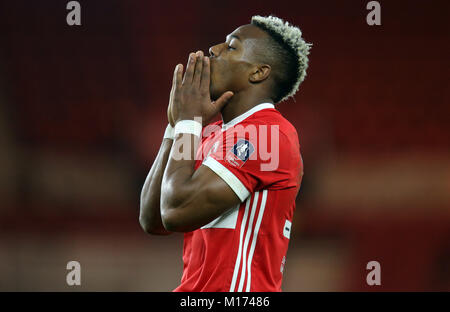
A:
(233, 36)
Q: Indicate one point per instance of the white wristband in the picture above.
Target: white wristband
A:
(188, 126)
(169, 133)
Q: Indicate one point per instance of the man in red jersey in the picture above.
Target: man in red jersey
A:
(231, 186)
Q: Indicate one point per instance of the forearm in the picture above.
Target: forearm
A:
(179, 191)
(192, 198)
(150, 208)
(177, 178)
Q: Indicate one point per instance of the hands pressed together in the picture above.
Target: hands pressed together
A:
(190, 95)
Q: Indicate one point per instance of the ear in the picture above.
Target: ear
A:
(260, 73)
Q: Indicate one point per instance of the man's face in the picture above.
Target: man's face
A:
(232, 61)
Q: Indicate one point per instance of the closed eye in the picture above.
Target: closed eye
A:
(231, 48)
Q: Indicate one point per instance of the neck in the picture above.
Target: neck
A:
(240, 103)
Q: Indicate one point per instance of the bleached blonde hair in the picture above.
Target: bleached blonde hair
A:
(289, 37)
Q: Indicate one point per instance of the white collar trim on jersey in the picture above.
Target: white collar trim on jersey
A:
(247, 114)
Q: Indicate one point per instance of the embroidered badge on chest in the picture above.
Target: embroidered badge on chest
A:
(240, 153)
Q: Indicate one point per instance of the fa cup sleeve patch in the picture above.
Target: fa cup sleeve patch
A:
(240, 153)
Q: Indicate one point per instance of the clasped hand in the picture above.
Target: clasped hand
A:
(190, 96)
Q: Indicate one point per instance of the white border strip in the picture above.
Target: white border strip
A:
(226, 175)
(241, 236)
(247, 114)
(255, 236)
(247, 239)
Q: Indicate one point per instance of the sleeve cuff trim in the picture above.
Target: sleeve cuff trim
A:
(226, 175)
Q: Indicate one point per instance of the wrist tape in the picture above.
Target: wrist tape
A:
(169, 133)
(188, 126)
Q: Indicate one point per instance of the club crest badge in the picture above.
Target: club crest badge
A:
(240, 153)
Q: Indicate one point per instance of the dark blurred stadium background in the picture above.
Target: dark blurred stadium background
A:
(83, 110)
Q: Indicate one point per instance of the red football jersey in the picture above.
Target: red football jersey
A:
(258, 155)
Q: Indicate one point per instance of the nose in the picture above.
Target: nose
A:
(214, 51)
(211, 52)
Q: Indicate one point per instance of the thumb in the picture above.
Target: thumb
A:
(224, 98)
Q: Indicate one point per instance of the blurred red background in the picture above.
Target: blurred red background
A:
(83, 111)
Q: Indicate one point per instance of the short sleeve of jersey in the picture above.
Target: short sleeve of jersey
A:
(255, 158)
